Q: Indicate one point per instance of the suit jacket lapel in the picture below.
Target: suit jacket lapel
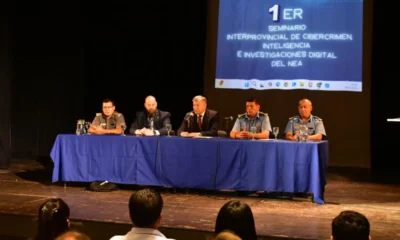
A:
(146, 120)
(205, 120)
(157, 118)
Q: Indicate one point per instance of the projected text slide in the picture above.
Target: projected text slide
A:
(288, 44)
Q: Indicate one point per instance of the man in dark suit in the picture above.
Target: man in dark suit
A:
(151, 122)
(201, 121)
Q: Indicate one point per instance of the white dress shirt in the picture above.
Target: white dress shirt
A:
(141, 234)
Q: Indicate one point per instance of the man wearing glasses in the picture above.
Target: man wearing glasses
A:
(109, 121)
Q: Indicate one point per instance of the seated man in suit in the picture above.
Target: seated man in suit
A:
(316, 129)
(109, 121)
(201, 121)
(152, 121)
(251, 118)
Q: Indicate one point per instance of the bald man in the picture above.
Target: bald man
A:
(316, 129)
(152, 121)
(73, 235)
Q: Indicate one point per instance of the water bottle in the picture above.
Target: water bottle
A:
(80, 127)
(303, 133)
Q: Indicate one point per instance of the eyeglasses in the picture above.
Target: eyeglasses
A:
(107, 107)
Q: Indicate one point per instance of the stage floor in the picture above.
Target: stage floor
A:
(28, 183)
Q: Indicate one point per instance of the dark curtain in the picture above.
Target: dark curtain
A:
(5, 95)
(69, 56)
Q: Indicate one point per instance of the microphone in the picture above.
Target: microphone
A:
(188, 116)
(227, 121)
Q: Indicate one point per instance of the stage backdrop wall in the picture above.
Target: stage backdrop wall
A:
(346, 115)
(5, 91)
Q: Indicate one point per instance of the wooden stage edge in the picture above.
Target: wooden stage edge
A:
(191, 214)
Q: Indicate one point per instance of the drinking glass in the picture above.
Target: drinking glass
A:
(87, 126)
(168, 126)
(275, 130)
(253, 131)
(296, 129)
(80, 127)
(123, 126)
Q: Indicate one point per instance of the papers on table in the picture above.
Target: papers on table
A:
(202, 137)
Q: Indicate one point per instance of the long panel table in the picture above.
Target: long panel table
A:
(213, 163)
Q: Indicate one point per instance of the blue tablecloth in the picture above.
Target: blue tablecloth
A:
(215, 163)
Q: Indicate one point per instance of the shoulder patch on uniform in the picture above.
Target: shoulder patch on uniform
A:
(241, 115)
(318, 118)
(98, 114)
(263, 113)
(291, 118)
(117, 114)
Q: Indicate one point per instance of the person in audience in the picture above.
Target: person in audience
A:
(236, 216)
(316, 129)
(109, 121)
(152, 121)
(73, 235)
(145, 208)
(350, 225)
(53, 219)
(251, 118)
(201, 121)
(227, 235)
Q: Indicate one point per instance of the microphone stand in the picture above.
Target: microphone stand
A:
(227, 124)
(189, 122)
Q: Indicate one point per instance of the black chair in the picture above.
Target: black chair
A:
(222, 133)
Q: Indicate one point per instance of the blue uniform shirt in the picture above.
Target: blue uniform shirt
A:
(260, 121)
(314, 125)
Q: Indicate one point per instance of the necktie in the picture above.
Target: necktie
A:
(151, 124)
(199, 121)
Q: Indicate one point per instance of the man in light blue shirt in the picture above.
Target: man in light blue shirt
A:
(314, 124)
(251, 118)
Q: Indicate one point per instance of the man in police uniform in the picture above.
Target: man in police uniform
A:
(252, 117)
(108, 122)
(152, 121)
(316, 129)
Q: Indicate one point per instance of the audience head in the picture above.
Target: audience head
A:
(236, 216)
(199, 104)
(145, 208)
(350, 225)
(53, 219)
(227, 235)
(73, 235)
